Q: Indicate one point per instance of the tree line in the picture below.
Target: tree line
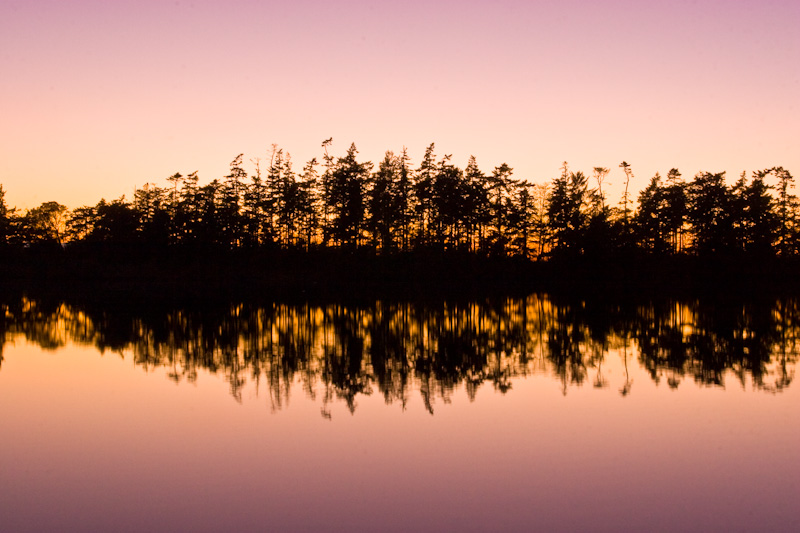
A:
(342, 202)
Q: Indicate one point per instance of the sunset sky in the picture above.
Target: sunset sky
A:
(97, 97)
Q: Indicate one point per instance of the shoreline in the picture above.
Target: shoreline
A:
(246, 274)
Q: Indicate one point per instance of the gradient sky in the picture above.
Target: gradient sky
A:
(97, 97)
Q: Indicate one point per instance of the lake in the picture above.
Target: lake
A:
(505, 414)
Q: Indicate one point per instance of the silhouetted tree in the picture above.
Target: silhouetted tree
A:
(566, 210)
(423, 194)
(114, 222)
(755, 222)
(210, 224)
(521, 217)
(447, 192)
(709, 213)
(345, 198)
(787, 212)
(477, 205)
(187, 215)
(541, 227)
(4, 221)
(229, 211)
(498, 191)
(288, 203)
(403, 199)
(650, 217)
(308, 203)
(152, 205)
(599, 174)
(383, 214)
(626, 212)
(674, 209)
(257, 223)
(44, 224)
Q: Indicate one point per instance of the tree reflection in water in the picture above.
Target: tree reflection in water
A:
(343, 351)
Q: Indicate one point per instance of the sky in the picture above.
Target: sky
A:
(100, 97)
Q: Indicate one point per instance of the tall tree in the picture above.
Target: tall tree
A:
(345, 199)
(45, 223)
(567, 210)
(756, 222)
(709, 203)
(541, 227)
(423, 194)
(187, 215)
(287, 202)
(446, 204)
(383, 215)
(404, 198)
(4, 222)
(500, 184)
(649, 218)
(257, 226)
(674, 209)
(521, 217)
(324, 191)
(477, 205)
(152, 204)
(626, 212)
(599, 174)
(787, 211)
(230, 210)
(309, 204)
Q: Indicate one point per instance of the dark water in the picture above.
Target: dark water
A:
(504, 414)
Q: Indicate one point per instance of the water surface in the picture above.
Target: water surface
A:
(513, 414)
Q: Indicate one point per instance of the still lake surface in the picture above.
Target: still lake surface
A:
(509, 414)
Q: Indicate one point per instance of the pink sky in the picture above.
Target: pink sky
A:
(99, 97)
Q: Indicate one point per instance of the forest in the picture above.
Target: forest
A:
(394, 207)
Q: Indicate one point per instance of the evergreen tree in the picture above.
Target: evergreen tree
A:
(423, 194)
(477, 205)
(499, 184)
(80, 223)
(4, 222)
(257, 227)
(229, 211)
(287, 203)
(674, 210)
(446, 204)
(345, 199)
(308, 203)
(540, 224)
(116, 222)
(187, 215)
(566, 210)
(521, 218)
(787, 212)
(403, 199)
(650, 217)
(757, 216)
(709, 203)
(383, 214)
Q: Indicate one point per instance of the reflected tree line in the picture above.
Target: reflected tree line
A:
(397, 206)
(398, 349)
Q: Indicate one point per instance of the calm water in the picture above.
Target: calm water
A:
(511, 414)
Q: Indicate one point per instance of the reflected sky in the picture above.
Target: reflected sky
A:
(141, 434)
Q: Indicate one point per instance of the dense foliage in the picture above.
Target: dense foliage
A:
(346, 203)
